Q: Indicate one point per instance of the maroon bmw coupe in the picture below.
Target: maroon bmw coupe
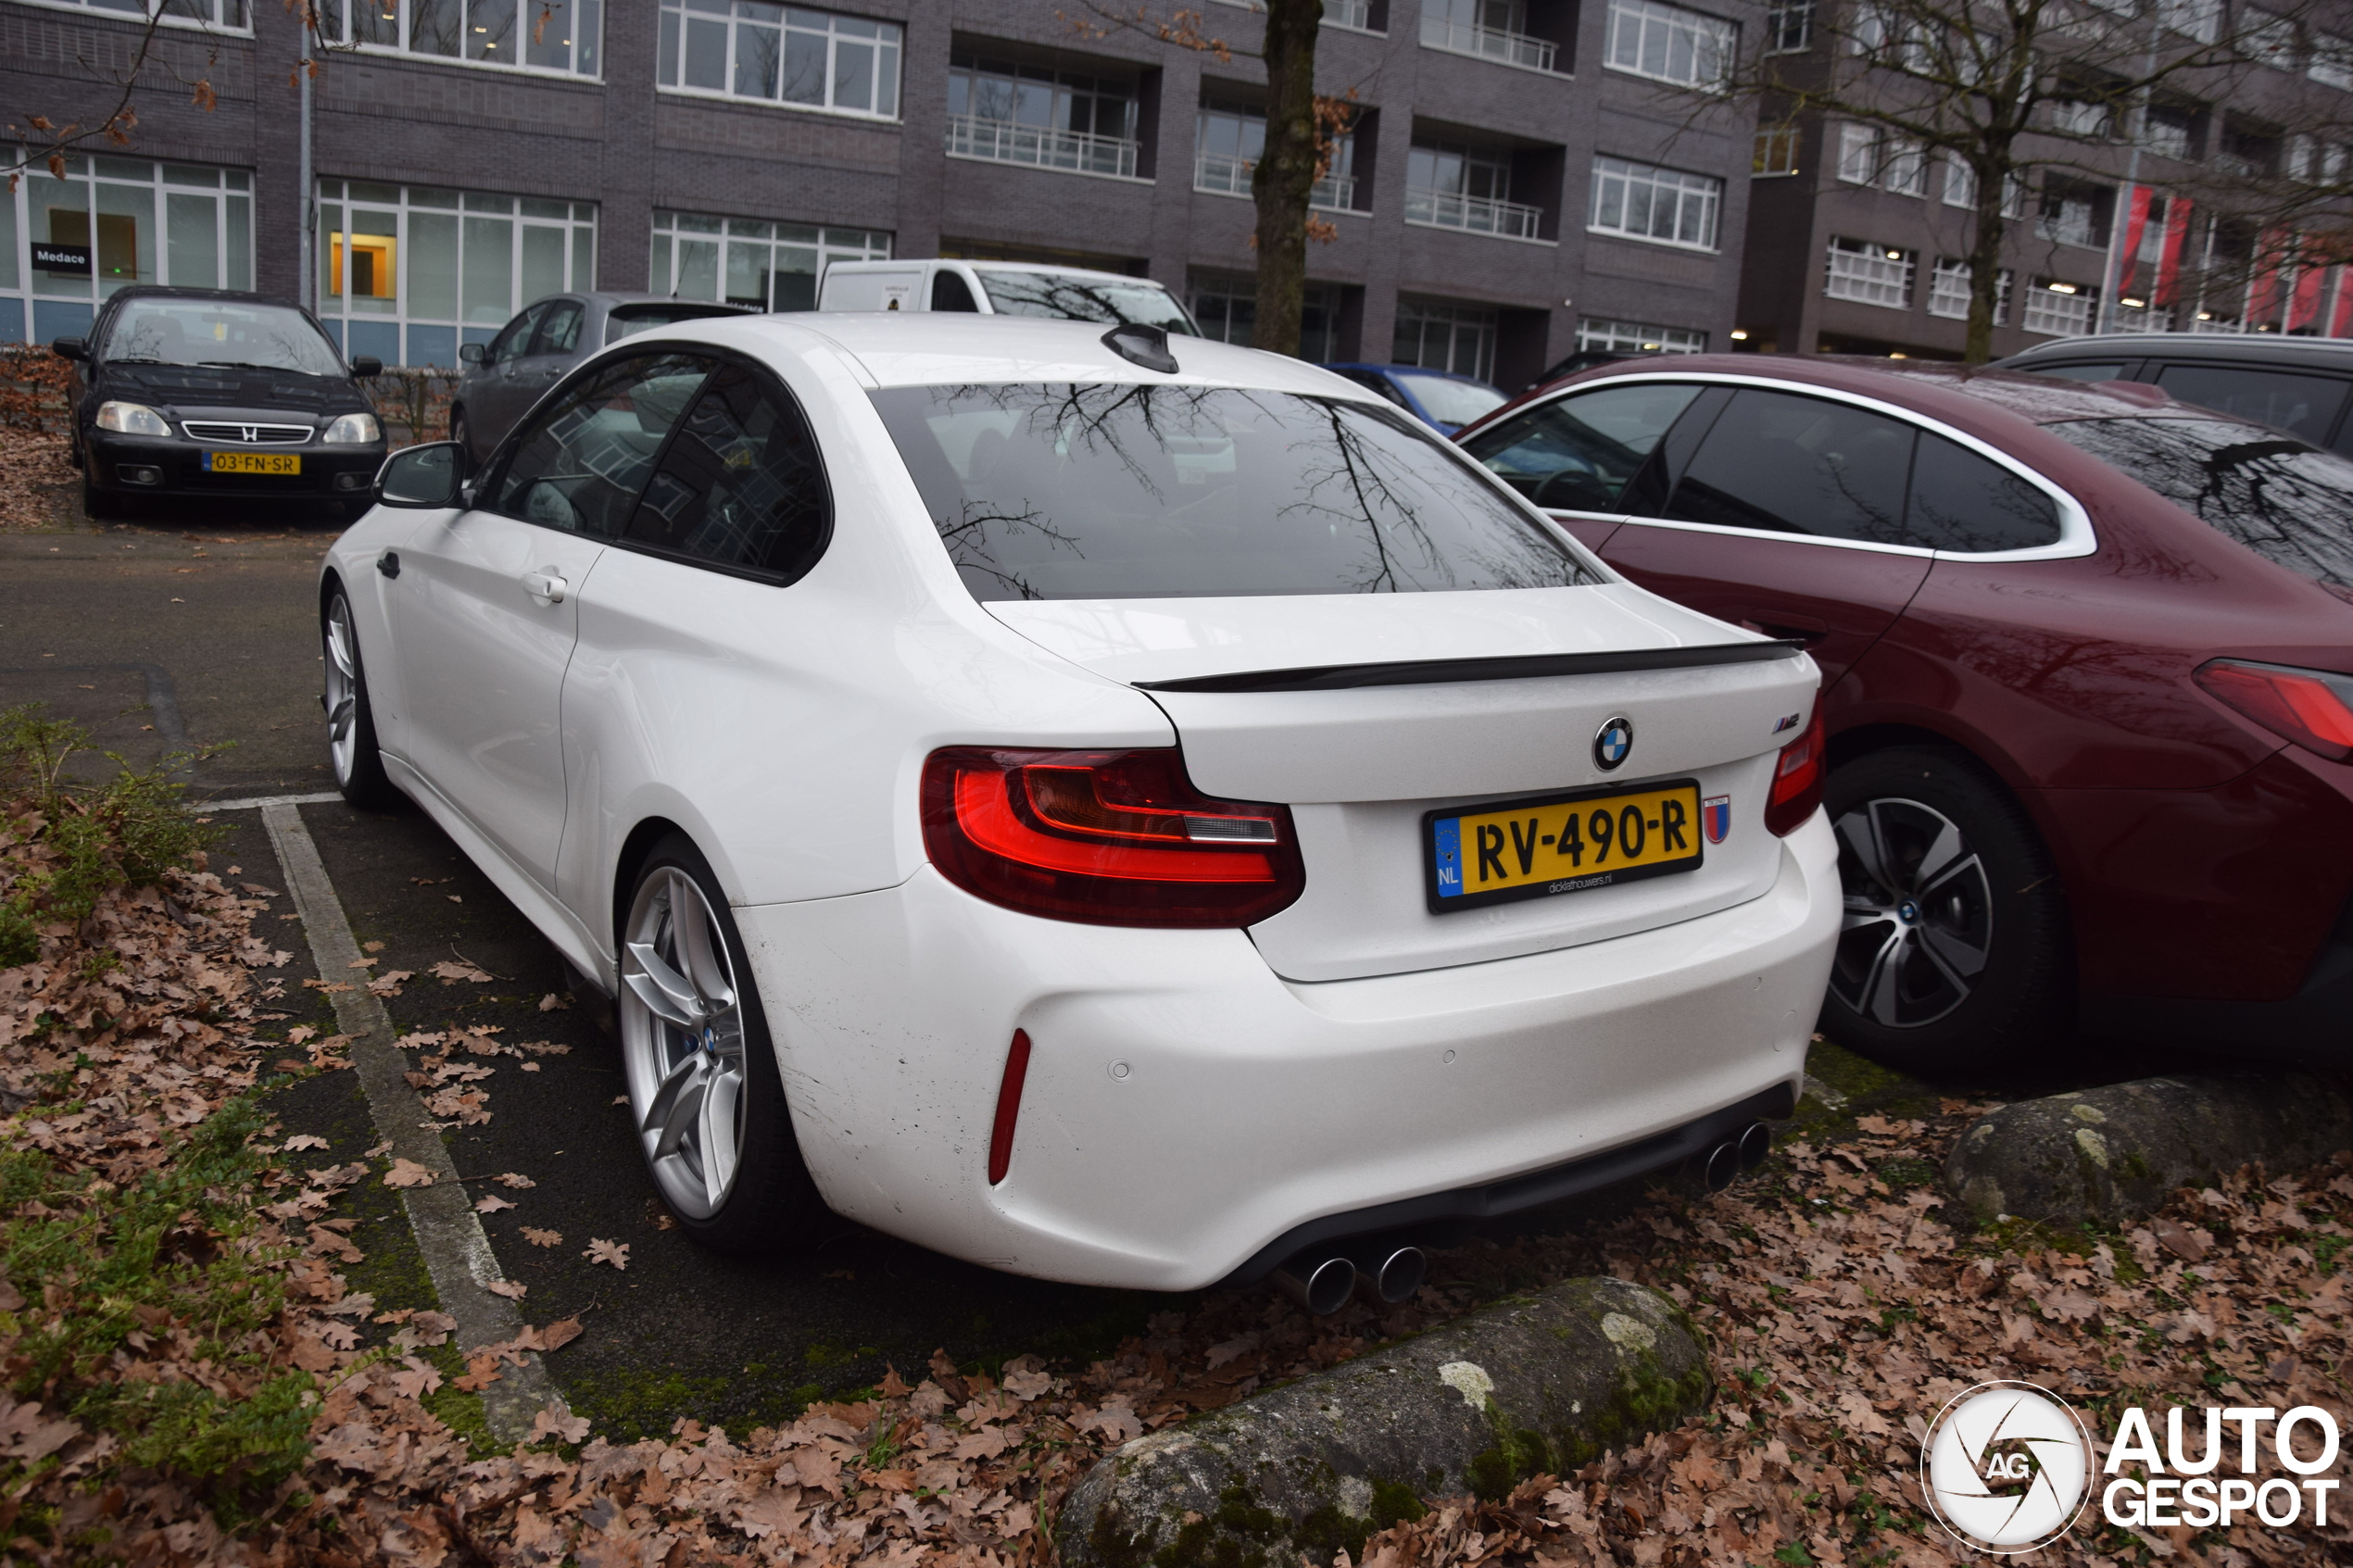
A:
(2088, 660)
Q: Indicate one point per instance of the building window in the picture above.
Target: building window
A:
(1948, 293)
(774, 54)
(750, 261)
(1450, 185)
(407, 273)
(232, 14)
(2060, 309)
(1495, 30)
(1225, 303)
(1648, 203)
(2167, 131)
(1010, 113)
(1356, 15)
(1226, 146)
(557, 35)
(2332, 61)
(1789, 29)
(2075, 214)
(2201, 19)
(1776, 151)
(1669, 43)
(1870, 275)
(1440, 336)
(2269, 38)
(1871, 156)
(1960, 189)
(139, 221)
(1593, 334)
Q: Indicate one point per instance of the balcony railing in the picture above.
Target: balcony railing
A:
(1001, 141)
(1357, 14)
(2071, 230)
(1512, 48)
(1230, 177)
(1480, 215)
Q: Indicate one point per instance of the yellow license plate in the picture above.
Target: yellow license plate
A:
(1536, 847)
(252, 462)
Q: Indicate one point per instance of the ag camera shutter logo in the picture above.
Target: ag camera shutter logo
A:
(2007, 1467)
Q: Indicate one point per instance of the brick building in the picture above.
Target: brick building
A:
(1518, 184)
(1855, 243)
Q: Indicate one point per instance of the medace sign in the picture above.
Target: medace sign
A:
(61, 258)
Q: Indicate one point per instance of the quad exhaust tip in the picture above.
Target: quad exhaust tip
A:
(1382, 1273)
(1731, 1156)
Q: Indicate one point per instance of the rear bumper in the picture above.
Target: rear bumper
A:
(1186, 1109)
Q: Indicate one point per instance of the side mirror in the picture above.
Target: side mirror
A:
(70, 348)
(427, 477)
(474, 354)
(366, 365)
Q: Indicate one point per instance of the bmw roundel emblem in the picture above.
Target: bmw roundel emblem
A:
(1613, 742)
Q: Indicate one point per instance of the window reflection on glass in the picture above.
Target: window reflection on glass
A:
(1072, 297)
(1578, 453)
(582, 464)
(207, 331)
(1081, 492)
(2287, 501)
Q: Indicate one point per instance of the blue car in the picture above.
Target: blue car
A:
(1439, 398)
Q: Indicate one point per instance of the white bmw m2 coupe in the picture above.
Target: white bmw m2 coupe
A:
(1125, 810)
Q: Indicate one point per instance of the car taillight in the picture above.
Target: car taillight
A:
(1797, 778)
(2312, 708)
(1108, 837)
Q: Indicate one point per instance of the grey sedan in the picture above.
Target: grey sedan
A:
(504, 377)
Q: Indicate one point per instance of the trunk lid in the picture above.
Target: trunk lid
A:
(1364, 713)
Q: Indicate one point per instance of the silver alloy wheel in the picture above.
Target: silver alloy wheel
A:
(1919, 914)
(682, 1039)
(342, 690)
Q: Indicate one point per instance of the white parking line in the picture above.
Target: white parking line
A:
(457, 1251)
(251, 801)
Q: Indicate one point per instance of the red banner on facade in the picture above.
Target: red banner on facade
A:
(2169, 267)
(2135, 222)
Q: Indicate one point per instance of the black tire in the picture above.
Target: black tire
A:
(1972, 965)
(770, 1206)
(359, 766)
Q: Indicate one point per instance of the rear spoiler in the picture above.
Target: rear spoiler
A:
(1448, 671)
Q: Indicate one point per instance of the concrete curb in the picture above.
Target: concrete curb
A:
(2118, 1151)
(1536, 1384)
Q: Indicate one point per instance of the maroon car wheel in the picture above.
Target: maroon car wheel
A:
(1952, 953)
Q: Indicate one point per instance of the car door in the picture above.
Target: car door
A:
(554, 349)
(1783, 511)
(485, 612)
(495, 400)
(1574, 456)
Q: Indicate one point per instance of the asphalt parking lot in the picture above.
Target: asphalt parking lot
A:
(199, 631)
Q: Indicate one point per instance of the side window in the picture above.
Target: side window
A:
(1786, 464)
(1372, 383)
(1961, 501)
(742, 485)
(559, 329)
(513, 337)
(580, 464)
(949, 292)
(1577, 453)
(2305, 405)
(2107, 370)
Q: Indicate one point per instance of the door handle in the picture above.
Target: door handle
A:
(545, 586)
(389, 563)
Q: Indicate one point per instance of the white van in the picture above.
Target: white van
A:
(1003, 288)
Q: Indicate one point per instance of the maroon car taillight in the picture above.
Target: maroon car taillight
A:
(1797, 780)
(1107, 837)
(2312, 708)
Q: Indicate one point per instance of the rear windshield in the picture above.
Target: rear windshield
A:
(2286, 500)
(1068, 298)
(1450, 401)
(1124, 491)
(628, 318)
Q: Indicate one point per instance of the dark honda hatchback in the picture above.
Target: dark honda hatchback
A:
(207, 393)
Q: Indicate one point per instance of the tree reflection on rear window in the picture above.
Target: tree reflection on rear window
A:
(1118, 492)
(2286, 500)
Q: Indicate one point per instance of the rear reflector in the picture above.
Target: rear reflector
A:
(1108, 837)
(2312, 708)
(1797, 778)
(1000, 1136)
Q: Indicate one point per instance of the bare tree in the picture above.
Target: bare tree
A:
(47, 140)
(2000, 89)
(1302, 131)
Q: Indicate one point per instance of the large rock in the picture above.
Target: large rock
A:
(2117, 1151)
(1534, 1385)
